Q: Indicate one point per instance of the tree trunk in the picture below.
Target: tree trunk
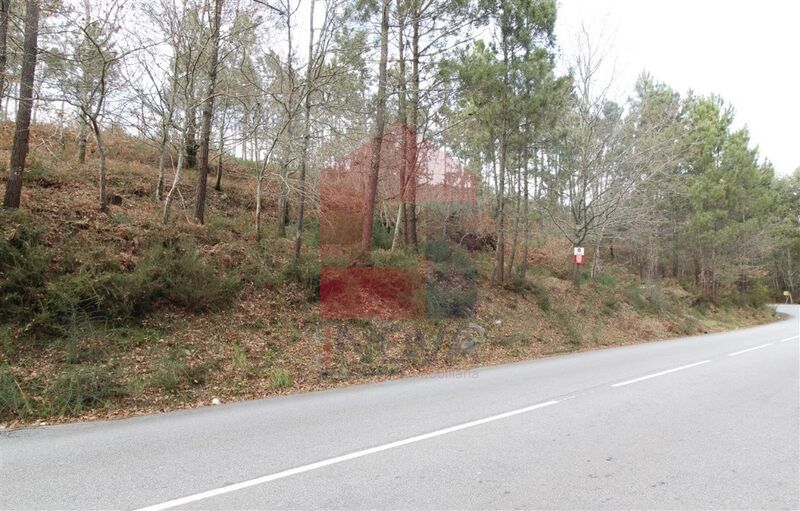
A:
(413, 121)
(401, 222)
(517, 212)
(191, 137)
(523, 264)
(178, 168)
(301, 200)
(162, 156)
(218, 184)
(83, 136)
(208, 113)
(19, 149)
(4, 8)
(101, 152)
(283, 189)
(377, 141)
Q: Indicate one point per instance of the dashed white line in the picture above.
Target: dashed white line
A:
(681, 368)
(749, 349)
(338, 459)
(789, 338)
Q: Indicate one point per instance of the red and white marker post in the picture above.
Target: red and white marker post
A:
(578, 260)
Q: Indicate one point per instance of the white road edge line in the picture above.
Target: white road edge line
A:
(338, 459)
(789, 338)
(681, 368)
(749, 349)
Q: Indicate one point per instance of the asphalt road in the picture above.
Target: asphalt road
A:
(700, 422)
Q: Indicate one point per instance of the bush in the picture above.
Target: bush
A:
(307, 273)
(279, 378)
(517, 284)
(437, 250)
(172, 372)
(13, 403)
(461, 264)
(605, 279)
(610, 304)
(633, 295)
(397, 259)
(450, 302)
(757, 295)
(23, 265)
(81, 387)
(381, 236)
(169, 272)
(542, 298)
(172, 271)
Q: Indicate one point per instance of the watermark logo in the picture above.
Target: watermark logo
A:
(426, 201)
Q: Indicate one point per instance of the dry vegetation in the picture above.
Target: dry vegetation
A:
(204, 311)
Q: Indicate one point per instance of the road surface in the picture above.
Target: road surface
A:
(710, 421)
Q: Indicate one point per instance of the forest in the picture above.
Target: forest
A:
(173, 168)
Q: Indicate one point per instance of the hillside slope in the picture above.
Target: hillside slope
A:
(108, 315)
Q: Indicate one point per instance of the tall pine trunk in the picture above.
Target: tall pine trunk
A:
(5, 5)
(301, 202)
(402, 114)
(19, 149)
(208, 113)
(413, 117)
(377, 141)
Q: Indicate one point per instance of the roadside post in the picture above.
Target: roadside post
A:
(578, 260)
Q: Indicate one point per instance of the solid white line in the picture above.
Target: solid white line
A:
(789, 338)
(749, 349)
(628, 382)
(338, 459)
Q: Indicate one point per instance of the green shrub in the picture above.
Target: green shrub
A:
(605, 279)
(517, 284)
(568, 322)
(450, 302)
(757, 295)
(307, 273)
(81, 387)
(437, 250)
(13, 403)
(173, 372)
(633, 295)
(279, 378)
(169, 272)
(172, 271)
(542, 297)
(37, 172)
(23, 265)
(239, 358)
(381, 236)
(689, 326)
(396, 259)
(610, 304)
(461, 264)
(657, 301)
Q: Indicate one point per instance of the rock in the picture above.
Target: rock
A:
(216, 401)
(498, 321)
(473, 335)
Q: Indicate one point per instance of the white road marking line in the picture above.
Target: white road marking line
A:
(789, 338)
(681, 368)
(749, 349)
(338, 459)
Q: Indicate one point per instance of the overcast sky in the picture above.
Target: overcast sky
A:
(747, 52)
